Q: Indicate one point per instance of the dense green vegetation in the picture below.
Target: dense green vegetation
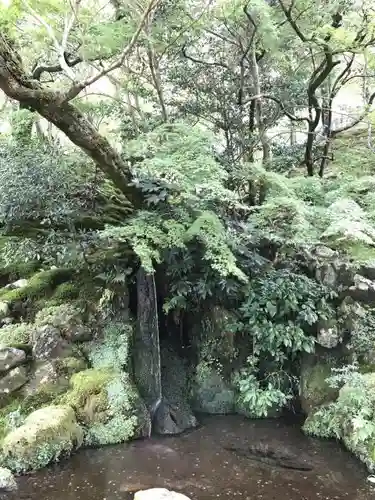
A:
(200, 141)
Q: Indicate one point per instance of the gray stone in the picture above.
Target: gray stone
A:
(174, 414)
(7, 321)
(7, 480)
(18, 284)
(159, 494)
(315, 370)
(44, 373)
(363, 290)
(368, 270)
(323, 252)
(11, 357)
(13, 380)
(211, 393)
(49, 344)
(328, 334)
(79, 333)
(4, 309)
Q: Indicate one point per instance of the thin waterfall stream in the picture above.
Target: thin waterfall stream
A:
(146, 357)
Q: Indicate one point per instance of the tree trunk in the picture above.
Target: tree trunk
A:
(262, 131)
(66, 117)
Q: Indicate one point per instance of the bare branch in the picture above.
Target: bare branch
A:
(78, 87)
(357, 120)
(60, 48)
(282, 107)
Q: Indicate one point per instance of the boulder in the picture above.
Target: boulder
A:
(363, 290)
(174, 415)
(7, 480)
(13, 380)
(211, 393)
(45, 383)
(314, 389)
(106, 403)
(367, 270)
(11, 357)
(4, 309)
(49, 344)
(159, 494)
(17, 284)
(328, 334)
(68, 320)
(47, 435)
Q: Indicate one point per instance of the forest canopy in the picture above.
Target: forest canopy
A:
(215, 143)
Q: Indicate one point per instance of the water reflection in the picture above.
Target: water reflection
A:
(198, 465)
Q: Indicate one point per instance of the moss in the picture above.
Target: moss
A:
(17, 271)
(16, 335)
(46, 435)
(315, 389)
(70, 365)
(39, 285)
(61, 316)
(85, 385)
(11, 407)
(47, 394)
(356, 250)
(104, 401)
(65, 292)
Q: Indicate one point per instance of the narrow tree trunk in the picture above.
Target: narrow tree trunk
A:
(262, 131)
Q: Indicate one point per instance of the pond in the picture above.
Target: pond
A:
(209, 463)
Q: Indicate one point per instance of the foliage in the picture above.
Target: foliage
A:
(46, 435)
(213, 115)
(351, 417)
(113, 351)
(276, 316)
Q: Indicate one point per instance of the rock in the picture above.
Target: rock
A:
(18, 284)
(159, 494)
(48, 343)
(105, 402)
(211, 393)
(363, 290)
(47, 435)
(7, 480)
(11, 357)
(4, 309)
(328, 335)
(174, 415)
(13, 380)
(68, 320)
(7, 321)
(314, 389)
(323, 252)
(44, 376)
(367, 270)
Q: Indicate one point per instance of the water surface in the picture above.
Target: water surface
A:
(198, 465)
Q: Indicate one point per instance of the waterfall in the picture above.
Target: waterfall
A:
(146, 353)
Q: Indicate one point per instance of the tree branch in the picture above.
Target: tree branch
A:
(66, 117)
(60, 48)
(78, 87)
(282, 107)
(356, 121)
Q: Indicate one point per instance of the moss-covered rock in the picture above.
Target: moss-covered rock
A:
(68, 319)
(46, 435)
(211, 393)
(39, 285)
(16, 335)
(105, 401)
(314, 388)
(351, 418)
(13, 380)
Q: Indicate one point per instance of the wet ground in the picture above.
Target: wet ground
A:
(199, 465)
